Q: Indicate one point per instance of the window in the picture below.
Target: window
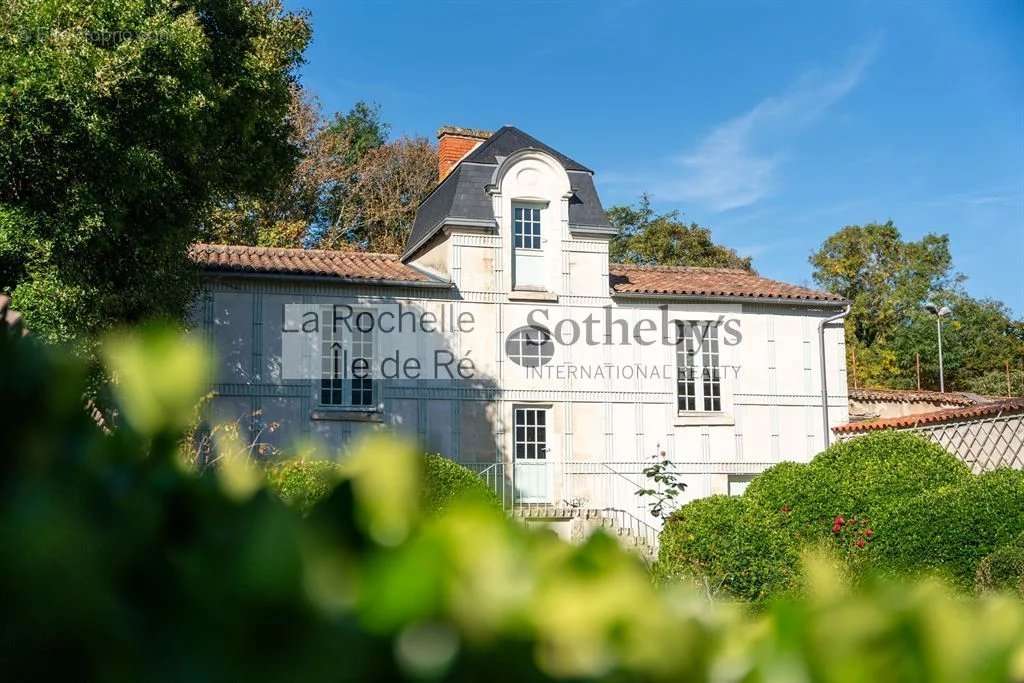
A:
(526, 227)
(699, 378)
(346, 362)
(738, 483)
(530, 347)
(531, 433)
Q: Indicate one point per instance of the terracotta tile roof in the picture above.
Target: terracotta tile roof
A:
(918, 396)
(689, 281)
(982, 410)
(625, 279)
(344, 265)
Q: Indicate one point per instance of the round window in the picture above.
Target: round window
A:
(529, 347)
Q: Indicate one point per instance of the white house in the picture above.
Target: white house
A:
(556, 374)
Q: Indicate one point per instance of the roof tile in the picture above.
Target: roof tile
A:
(691, 281)
(917, 396)
(345, 265)
(625, 279)
(1010, 405)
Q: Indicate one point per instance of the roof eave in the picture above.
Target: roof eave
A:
(339, 279)
(453, 221)
(732, 298)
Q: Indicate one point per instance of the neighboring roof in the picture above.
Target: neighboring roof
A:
(355, 266)
(461, 198)
(980, 411)
(509, 139)
(715, 282)
(918, 396)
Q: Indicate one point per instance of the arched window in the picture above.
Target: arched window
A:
(530, 347)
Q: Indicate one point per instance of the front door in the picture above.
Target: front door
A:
(532, 475)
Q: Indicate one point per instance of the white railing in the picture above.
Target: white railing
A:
(606, 488)
(493, 474)
(611, 488)
(602, 485)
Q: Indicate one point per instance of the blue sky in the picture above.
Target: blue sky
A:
(774, 127)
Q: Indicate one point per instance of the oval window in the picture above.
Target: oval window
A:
(529, 347)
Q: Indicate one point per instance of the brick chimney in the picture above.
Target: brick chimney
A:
(453, 143)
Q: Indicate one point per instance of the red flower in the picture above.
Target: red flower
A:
(860, 543)
(869, 533)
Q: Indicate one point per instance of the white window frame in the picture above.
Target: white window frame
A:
(527, 352)
(698, 367)
(337, 344)
(535, 426)
(527, 232)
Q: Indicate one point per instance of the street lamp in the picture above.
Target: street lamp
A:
(939, 314)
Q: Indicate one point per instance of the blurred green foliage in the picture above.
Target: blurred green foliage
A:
(118, 562)
(304, 482)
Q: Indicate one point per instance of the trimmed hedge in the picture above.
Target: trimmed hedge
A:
(951, 529)
(303, 483)
(749, 545)
(861, 477)
(445, 480)
(1003, 569)
(732, 545)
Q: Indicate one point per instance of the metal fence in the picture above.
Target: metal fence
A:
(984, 444)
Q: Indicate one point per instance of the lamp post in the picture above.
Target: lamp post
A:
(939, 314)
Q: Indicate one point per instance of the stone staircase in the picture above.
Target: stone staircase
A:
(575, 524)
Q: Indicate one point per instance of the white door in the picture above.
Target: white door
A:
(530, 439)
(528, 257)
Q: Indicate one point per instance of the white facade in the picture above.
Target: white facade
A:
(599, 431)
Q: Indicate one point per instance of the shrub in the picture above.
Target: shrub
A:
(861, 477)
(728, 544)
(1002, 569)
(445, 480)
(951, 529)
(302, 483)
(305, 482)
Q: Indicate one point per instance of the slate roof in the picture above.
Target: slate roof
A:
(714, 282)
(918, 396)
(353, 266)
(508, 139)
(980, 411)
(463, 192)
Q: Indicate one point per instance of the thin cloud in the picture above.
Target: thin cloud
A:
(737, 163)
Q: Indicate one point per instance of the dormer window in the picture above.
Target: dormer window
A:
(528, 257)
(526, 227)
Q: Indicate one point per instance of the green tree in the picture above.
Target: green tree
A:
(888, 280)
(121, 122)
(884, 277)
(649, 238)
